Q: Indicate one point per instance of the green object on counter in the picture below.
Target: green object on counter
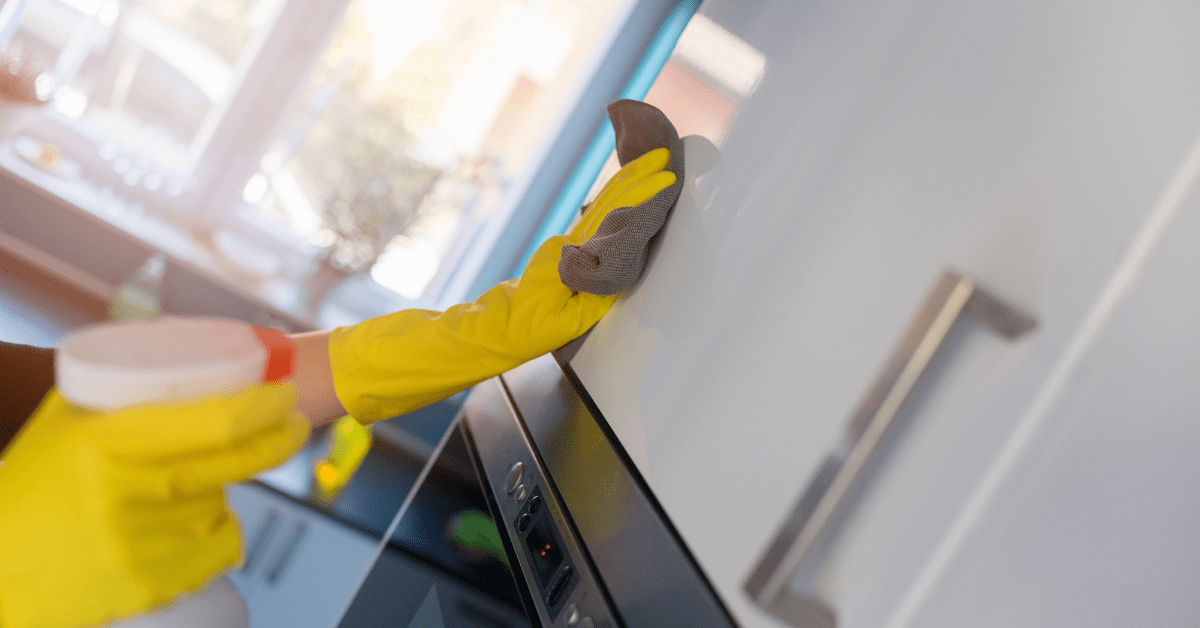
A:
(475, 531)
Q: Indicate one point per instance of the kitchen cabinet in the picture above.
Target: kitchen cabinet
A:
(1094, 523)
(1048, 150)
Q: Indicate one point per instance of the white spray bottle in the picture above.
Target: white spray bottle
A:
(117, 365)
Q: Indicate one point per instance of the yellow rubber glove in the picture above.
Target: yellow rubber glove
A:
(108, 515)
(399, 362)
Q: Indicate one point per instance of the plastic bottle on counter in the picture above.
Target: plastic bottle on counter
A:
(140, 297)
(117, 365)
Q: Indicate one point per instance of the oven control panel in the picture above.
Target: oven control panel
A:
(563, 588)
(542, 547)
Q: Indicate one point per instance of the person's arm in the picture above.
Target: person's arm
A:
(26, 375)
(398, 362)
(316, 398)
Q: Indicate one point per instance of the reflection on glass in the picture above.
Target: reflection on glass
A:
(710, 72)
(445, 547)
(721, 56)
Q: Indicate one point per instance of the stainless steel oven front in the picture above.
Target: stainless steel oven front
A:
(531, 514)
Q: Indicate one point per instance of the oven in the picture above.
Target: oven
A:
(529, 513)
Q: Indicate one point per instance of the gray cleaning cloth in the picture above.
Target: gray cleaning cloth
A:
(614, 257)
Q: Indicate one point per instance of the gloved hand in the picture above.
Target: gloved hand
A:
(398, 362)
(613, 258)
(107, 515)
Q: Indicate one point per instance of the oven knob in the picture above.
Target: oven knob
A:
(572, 616)
(534, 504)
(523, 522)
(514, 477)
(522, 493)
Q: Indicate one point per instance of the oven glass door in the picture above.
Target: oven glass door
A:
(444, 563)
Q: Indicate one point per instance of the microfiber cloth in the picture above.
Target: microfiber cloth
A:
(614, 257)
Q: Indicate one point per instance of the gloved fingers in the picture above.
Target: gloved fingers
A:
(634, 172)
(180, 546)
(163, 431)
(642, 191)
(631, 196)
(187, 477)
(196, 535)
(251, 455)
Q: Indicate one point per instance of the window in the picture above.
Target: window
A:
(138, 86)
(300, 149)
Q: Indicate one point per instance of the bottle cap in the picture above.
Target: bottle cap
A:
(117, 365)
(281, 354)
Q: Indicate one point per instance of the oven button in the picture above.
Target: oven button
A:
(558, 585)
(522, 493)
(572, 616)
(587, 623)
(534, 504)
(514, 477)
(523, 522)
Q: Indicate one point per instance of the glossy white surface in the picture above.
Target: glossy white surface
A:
(1095, 525)
(1026, 144)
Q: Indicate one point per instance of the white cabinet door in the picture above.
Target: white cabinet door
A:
(1090, 518)
(1024, 143)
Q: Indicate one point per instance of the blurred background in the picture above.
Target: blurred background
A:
(335, 159)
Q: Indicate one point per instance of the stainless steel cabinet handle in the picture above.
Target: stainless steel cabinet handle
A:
(952, 297)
